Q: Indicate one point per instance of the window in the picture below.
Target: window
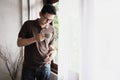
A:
(56, 25)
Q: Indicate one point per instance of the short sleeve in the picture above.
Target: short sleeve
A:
(23, 31)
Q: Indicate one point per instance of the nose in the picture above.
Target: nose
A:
(46, 21)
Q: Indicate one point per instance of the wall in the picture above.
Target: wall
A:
(95, 43)
(10, 23)
(69, 39)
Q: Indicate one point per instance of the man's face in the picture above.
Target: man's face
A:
(46, 18)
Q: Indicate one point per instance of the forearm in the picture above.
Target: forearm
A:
(25, 42)
(49, 56)
(51, 50)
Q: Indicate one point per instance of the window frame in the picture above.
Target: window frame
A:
(54, 67)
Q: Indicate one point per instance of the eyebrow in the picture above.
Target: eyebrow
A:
(46, 17)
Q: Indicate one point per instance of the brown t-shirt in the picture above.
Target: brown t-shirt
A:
(35, 53)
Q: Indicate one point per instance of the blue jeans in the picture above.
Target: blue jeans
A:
(42, 73)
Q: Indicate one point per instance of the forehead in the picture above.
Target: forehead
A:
(48, 15)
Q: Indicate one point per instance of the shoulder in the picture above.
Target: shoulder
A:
(29, 22)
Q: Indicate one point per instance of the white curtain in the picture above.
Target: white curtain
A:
(89, 40)
(105, 64)
(69, 42)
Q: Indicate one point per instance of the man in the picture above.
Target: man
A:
(37, 36)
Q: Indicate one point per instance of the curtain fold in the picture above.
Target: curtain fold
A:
(89, 40)
(69, 42)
